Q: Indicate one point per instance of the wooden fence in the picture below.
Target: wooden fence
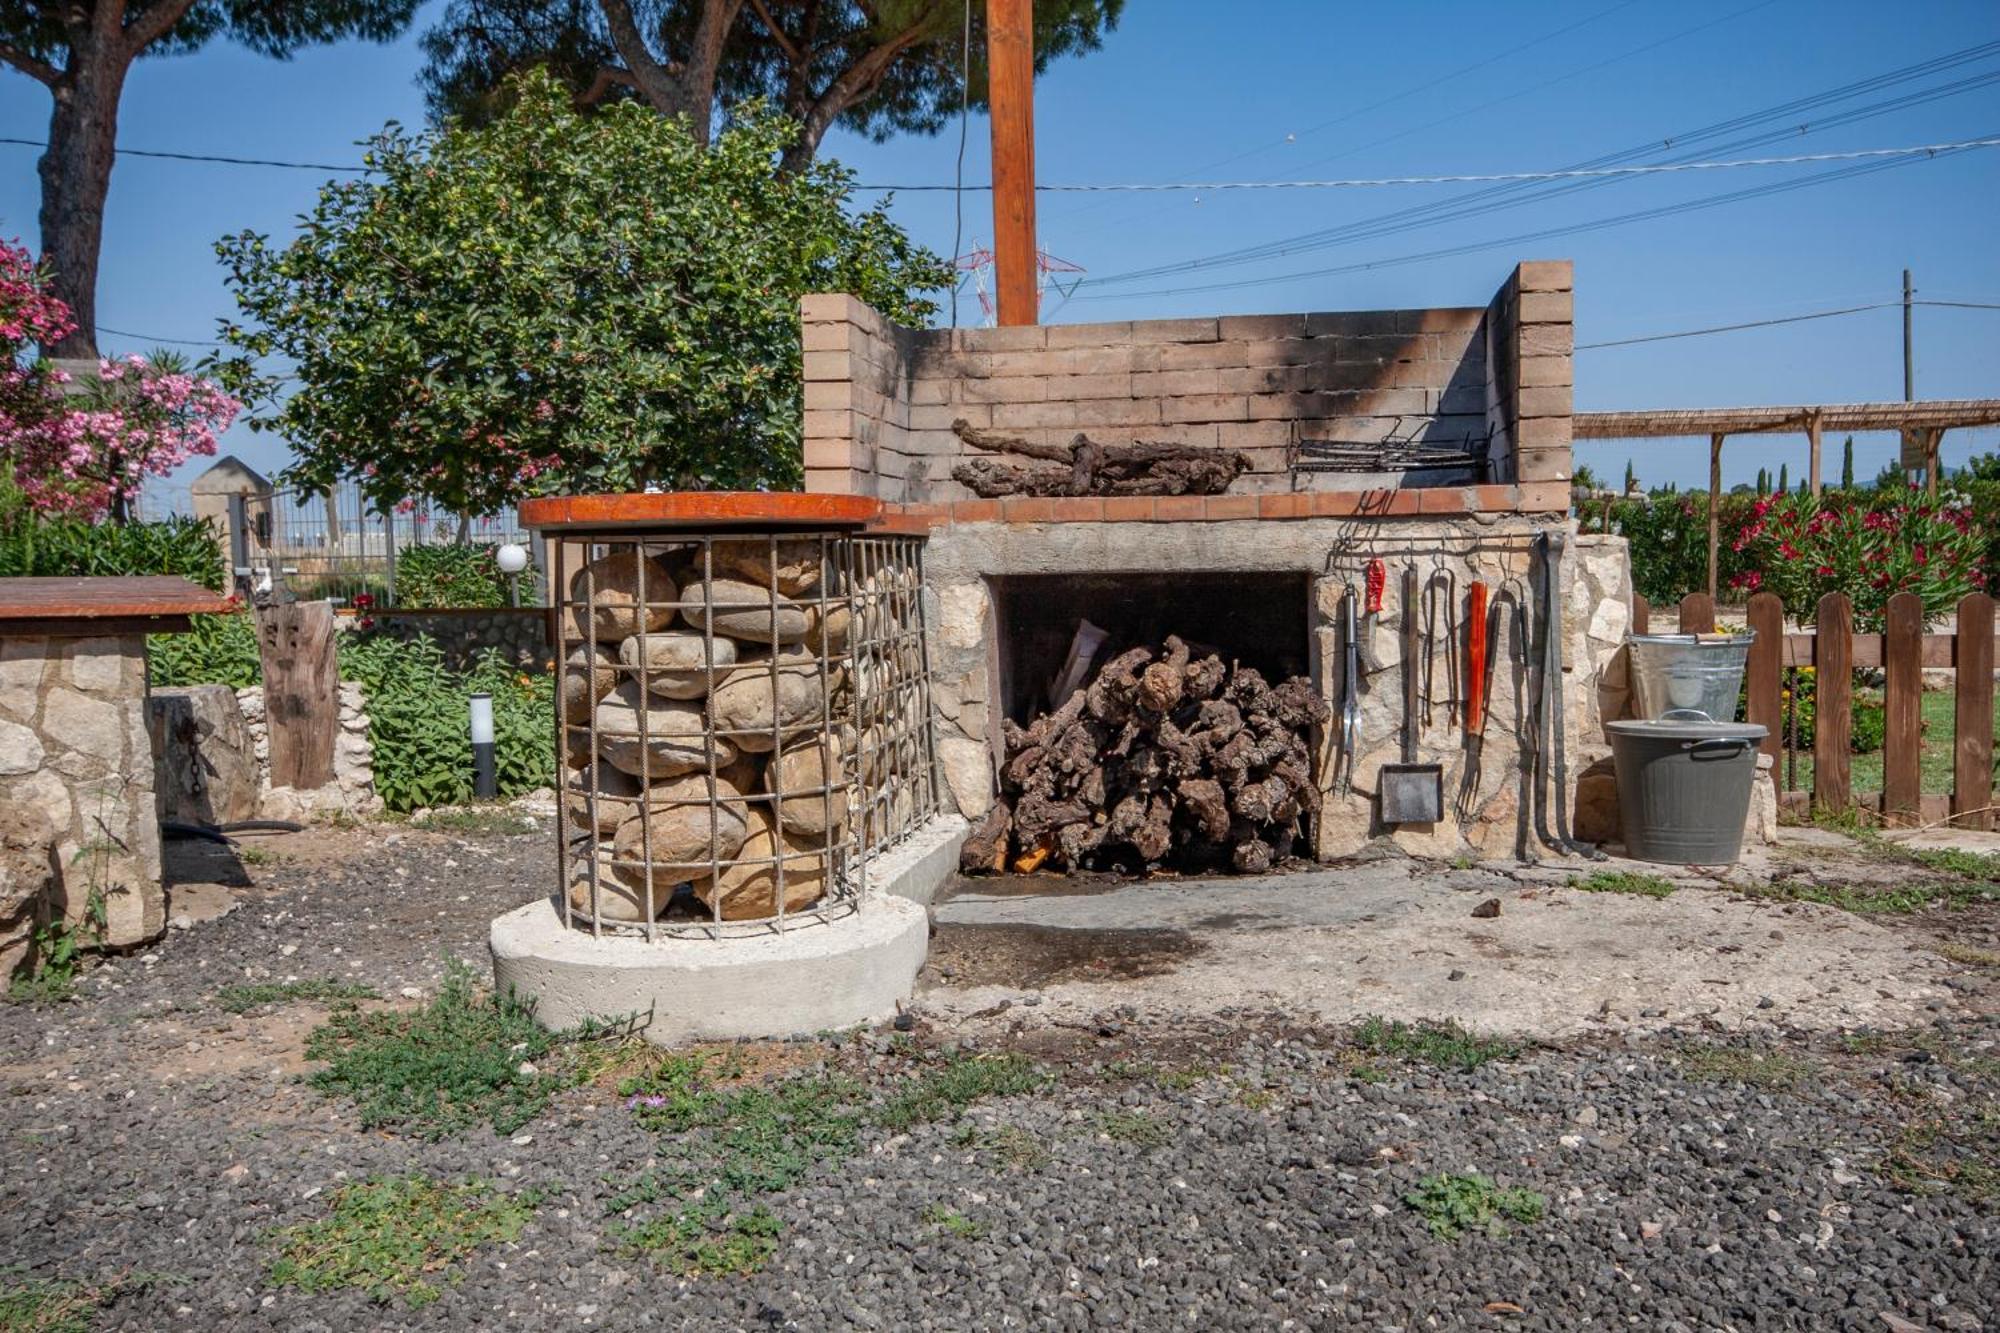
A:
(1902, 651)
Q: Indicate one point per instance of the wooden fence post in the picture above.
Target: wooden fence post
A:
(1697, 613)
(1767, 655)
(1833, 702)
(1972, 750)
(1642, 614)
(295, 642)
(1903, 740)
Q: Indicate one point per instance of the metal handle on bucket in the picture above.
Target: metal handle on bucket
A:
(1733, 744)
(1685, 715)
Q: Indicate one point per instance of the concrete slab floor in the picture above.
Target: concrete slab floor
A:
(1401, 938)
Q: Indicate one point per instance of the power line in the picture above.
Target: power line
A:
(1781, 319)
(206, 157)
(1637, 169)
(148, 338)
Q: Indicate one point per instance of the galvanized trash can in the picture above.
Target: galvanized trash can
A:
(1703, 672)
(1684, 787)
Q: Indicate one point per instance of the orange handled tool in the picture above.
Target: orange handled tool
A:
(1475, 661)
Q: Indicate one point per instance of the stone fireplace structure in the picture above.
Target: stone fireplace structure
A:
(1260, 570)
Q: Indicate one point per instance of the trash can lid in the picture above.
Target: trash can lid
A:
(1688, 729)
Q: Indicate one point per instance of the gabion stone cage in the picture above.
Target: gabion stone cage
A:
(744, 719)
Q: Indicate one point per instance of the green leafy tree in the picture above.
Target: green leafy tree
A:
(879, 67)
(82, 51)
(557, 301)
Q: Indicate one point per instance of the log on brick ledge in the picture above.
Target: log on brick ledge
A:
(1085, 467)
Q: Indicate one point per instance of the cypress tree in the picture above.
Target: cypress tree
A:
(1784, 478)
(1847, 465)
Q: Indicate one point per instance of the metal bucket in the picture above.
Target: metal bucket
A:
(1684, 788)
(1698, 672)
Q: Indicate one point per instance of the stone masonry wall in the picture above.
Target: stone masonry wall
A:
(521, 634)
(73, 746)
(880, 399)
(352, 791)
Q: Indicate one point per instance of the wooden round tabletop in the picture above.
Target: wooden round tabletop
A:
(675, 510)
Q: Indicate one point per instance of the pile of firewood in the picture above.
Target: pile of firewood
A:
(1163, 759)
(1085, 467)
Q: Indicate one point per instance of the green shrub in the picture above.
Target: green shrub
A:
(35, 546)
(215, 650)
(1869, 731)
(418, 712)
(447, 577)
(1452, 1205)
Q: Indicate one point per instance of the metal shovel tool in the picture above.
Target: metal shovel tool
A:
(1412, 793)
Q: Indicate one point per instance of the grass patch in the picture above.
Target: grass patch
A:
(1446, 1044)
(474, 819)
(942, 1093)
(1452, 1205)
(1136, 1128)
(395, 1237)
(242, 999)
(1770, 1070)
(1018, 1148)
(1623, 881)
(953, 1222)
(701, 1210)
(1979, 867)
(1898, 900)
(49, 1305)
(1955, 1150)
(463, 1059)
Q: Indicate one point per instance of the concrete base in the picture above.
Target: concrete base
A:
(918, 866)
(806, 979)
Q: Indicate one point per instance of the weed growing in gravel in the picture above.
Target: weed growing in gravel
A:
(1983, 867)
(1624, 881)
(58, 956)
(1771, 1070)
(393, 1236)
(474, 819)
(49, 1305)
(1136, 1128)
(462, 1059)
(1953, 1149)
(953, 1221)
(960, 1081)
(242, 999)
(1967, 954)
(1444, 1044)
(1019, 1149)
(1452, 1205)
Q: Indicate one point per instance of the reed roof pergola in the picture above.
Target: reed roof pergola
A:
(1922, 424)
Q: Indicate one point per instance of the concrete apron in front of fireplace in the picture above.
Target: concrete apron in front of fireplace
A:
(964, 559)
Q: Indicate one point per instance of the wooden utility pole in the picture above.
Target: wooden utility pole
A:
(1714, 512)
(1010, 65)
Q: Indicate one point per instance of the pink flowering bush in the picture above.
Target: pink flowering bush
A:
(85, 450)
(1904, 541)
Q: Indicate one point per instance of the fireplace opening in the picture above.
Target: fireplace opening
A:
(1258, 620)
(1151, 721)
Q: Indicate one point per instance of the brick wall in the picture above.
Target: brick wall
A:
(880, 399)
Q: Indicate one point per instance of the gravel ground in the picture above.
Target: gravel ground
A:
(1223, 1170)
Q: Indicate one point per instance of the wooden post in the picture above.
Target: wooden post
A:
(295, 643)
(1697, 613)
(1767, 655)
(1833, 702)
(1903, 690)
(1010, 65)
(1933, 449)
(1714, 510)
(1642, 613)
(1972, 749)
(1812, 441)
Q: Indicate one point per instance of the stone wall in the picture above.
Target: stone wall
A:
(880, 399)
(963, 558)
(73, 747)
(352, 791)
(521, 634)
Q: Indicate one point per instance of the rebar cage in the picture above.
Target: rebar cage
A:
(744, 719)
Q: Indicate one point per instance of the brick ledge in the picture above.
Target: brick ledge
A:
(1536, 497)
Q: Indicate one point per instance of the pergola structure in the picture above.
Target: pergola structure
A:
(1922, 424)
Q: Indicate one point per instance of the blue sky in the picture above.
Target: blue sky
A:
(1199, 91)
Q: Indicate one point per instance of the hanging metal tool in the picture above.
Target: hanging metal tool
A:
(1467, 805)
(1350, 692)
(1412, 793)
(1441, 630)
